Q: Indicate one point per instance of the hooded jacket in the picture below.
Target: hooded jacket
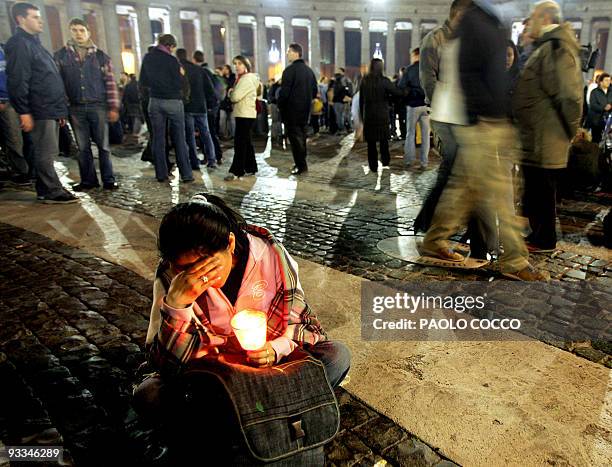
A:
(548, 99)
(431, 55)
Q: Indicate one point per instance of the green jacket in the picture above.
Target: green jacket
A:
(548, 99)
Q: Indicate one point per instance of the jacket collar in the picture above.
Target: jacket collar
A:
(21, 32)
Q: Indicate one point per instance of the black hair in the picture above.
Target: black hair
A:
(167, 40)
(198, 56)
(200, 226)
(297, 48)
(245, 61)
(181, 54)
(78, 22)
(376, 68)
(21, 9)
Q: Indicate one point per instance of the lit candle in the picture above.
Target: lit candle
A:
(250, 328)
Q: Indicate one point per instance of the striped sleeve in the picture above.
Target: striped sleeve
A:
(112, 93)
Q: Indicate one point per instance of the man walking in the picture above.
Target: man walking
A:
(94, 101)
(162, 73)
(37, 94)
(201, 93)
(298, 89)
(548, 106)
(416, 112)
(481, 177)
(18, 168)
(343, 92)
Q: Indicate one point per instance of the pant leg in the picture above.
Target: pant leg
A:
(372, 156)
(99, 134)
(45, 141)
(423, 118)
(240, 146)
(385, 156)
(9, 124)
(540, 202)
(339, 111)
(212, 118)
(158, 119)
(80, 120)
(250, 162)
(191, 140)
(201, 123)
(409, 144)
(176, 118)
(297, 138)
(448, 151)
(336, 358)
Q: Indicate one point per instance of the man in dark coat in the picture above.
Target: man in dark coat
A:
(37, 94)
(298, 89)
(600, 105)
(201, 95)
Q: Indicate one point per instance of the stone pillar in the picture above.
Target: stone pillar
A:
(415, 41)
(45, 36)
(587, 29)
(340, 52)
(608, 62)
(74, 9)
(365, 42)
(262, 47)
(112, 35)
(234, 33)
(144, 27)
(175, 24)
(5, 25)
(206, 33)
(315, 46)
(390, 55)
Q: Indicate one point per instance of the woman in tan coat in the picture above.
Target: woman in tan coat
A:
(243, 97)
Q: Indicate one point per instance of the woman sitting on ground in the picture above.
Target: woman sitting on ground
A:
(212, 265)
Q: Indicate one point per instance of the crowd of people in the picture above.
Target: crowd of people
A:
(465, 81)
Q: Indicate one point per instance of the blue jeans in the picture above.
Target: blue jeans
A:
(89, 125)
(339, 111)
(162, 111)
(335, 356)
(199, 122)
(413, 116)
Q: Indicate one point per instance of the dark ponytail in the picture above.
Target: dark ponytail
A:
(201, 225)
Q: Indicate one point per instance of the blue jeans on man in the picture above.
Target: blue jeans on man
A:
(339, 111)
(90, 125)
(162, 112)
(416, 115)
(199, 122)
(45, 144)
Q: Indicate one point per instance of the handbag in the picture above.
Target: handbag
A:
(281, 415)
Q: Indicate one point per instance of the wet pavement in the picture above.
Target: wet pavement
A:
(71, 340)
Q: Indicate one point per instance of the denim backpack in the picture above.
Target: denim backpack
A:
(281, 416)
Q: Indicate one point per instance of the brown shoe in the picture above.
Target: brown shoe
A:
(528, 274)
(445, 254)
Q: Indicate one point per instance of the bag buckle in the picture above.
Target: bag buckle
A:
(298, 432)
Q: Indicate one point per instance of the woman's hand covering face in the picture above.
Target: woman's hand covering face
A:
(192, 282)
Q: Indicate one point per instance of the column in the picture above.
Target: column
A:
(262, 47)
(175, 24)
(112, 34)
(144, 27)
(5, 25)
(340, 52)
(608, 62)
(416, 33)
(587, 28)
(206, 32)
(45, 36)
(74, 9)
(365, 42)
(390, 57)
(234, 33)
(315, 46)
(287, 32)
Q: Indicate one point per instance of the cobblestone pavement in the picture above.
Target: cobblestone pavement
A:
(72, 335)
